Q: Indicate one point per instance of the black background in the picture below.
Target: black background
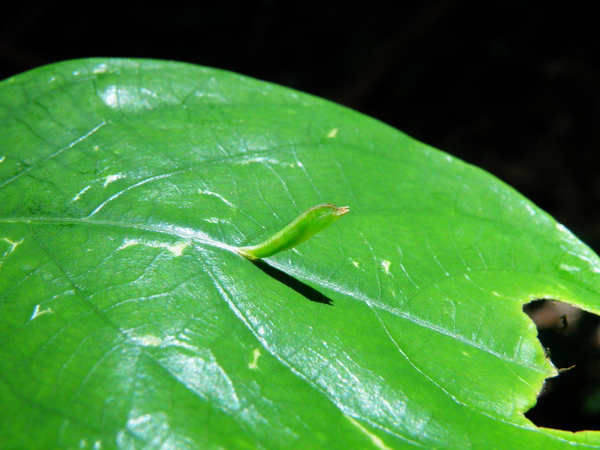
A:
(511, 86)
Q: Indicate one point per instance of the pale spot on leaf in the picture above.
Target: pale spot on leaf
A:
(386, 266)
(258, 159)
(112, 178)
(178, 249)
(254, 363)
(13, 245)
(37, 312)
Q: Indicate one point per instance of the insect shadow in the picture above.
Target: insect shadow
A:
(301, 288)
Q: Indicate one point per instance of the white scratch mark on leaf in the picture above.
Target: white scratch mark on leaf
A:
(37, 312)
(376, 440)
(259, 159)
(112, 178)
(333, 133)
(80, 193)
(2, 159)
(386, 266)
(355, 264)
(13, 245)
(255, 355)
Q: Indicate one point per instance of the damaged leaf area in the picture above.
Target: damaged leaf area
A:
(128, 319)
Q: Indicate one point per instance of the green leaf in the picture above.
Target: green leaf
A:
(127, 319)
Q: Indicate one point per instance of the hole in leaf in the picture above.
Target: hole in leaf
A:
(570, 401)
(301, 288)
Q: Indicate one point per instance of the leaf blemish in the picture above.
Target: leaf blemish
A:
(355, 264)
(112, 178)
(13, 246)
(2, 159)
(254, 363)
(177, 249)
(333, 133)
(386, 266)
(258, 159)
(37, 312)
(80, 193)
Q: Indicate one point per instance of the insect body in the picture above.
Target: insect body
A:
(307, 224)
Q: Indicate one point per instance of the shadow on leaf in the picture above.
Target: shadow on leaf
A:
(301, 288)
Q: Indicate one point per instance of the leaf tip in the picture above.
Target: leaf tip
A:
(341, 210)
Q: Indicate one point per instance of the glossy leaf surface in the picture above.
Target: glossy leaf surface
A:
(126, 319)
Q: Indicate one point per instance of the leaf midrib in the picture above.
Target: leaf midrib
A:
(189, 234)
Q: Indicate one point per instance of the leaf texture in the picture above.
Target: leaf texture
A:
(127, 320)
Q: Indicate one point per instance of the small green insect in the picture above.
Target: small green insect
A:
(307, 224)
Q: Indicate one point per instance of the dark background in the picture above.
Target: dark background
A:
(512, 86)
